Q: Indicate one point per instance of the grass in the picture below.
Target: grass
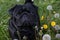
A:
(5, 5)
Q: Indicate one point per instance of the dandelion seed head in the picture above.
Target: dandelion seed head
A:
(46, 37)
(57, 27)
(57, 35)
(49, 7)
(56, 15)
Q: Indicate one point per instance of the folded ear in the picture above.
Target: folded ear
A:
(12, 10)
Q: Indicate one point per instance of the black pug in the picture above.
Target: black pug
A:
(23, 19)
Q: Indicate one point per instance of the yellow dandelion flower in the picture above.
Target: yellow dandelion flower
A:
(45, 26)
(42, 18)
(53, 23)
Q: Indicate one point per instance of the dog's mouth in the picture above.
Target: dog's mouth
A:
(24, 19)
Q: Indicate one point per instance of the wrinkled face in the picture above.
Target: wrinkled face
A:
(25, 14)
(23, 18)
(18, 14)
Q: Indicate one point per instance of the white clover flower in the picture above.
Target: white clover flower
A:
(57, 27)
(46, 37)
(32, 0)
(42, 28)
(57, 15)
(24, 37)
(57, 35)
(36, 28)
(49, 7)
(15, 39)
(17, 0)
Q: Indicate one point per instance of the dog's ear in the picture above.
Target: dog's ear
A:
(12, 10)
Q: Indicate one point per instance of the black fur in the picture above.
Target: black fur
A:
(25, 17)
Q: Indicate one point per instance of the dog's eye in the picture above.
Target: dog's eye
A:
(26, 10)
(19, 13)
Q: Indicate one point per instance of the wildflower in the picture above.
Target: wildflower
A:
(17, 0)
(15, 39)
(36, 28)
(32, 0)
(57, 36)
(24, 37)
(42, 28)
(57, 27)
(49, 7)
(45, 26)
(42, 18)
(46, 37)
(53, 23)
(56, 15)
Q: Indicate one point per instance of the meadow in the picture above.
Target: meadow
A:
(48, 10)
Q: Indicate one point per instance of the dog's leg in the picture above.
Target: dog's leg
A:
(12, 31)
(32, 37)
(12, 34)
